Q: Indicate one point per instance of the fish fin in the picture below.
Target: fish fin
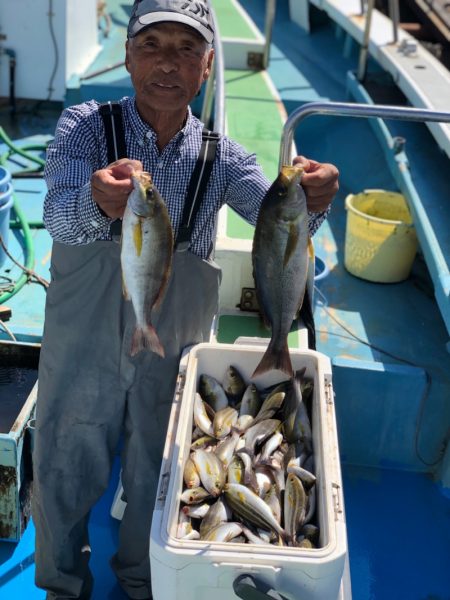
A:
(162, 289)
(274, 359)
(126, 295)
(307, 316)
(146, 338)
(291, 244)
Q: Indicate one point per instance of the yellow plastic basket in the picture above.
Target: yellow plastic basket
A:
(380, 239)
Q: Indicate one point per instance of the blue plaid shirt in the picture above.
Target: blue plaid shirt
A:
(79, 148)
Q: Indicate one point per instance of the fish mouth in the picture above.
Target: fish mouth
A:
(291, 173)
(142, 179)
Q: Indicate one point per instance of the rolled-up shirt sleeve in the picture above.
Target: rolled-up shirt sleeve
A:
(248, 185)
(70, 214)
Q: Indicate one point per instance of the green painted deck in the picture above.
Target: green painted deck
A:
(254, 120)
(230, 19)
(233, 326)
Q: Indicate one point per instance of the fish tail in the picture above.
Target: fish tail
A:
(146, 337)
(273, 359)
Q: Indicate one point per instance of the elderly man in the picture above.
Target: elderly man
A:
(91, 391)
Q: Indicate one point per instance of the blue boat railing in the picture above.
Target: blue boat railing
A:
(350, 109)
(436, 260)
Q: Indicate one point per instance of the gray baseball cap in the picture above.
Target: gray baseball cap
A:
(195, 13)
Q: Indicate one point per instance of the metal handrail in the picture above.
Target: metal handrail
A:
(364, 52)
(394, 15)
(215, 86)
(268, 30)
(348, 109)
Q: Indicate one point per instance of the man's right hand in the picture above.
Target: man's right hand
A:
(112, 186)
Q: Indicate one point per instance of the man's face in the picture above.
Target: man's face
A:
(167, 62)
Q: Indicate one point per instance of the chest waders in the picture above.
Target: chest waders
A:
(91, 391)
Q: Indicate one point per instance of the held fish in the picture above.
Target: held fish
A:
(146, 258)
(280, 263)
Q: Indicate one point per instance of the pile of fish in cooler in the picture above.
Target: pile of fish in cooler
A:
(249, 476)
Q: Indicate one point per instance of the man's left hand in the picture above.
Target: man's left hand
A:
(320, 182)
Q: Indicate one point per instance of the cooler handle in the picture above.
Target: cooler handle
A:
(249, 588)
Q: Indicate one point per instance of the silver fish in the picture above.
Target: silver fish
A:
(311, 532)
(217, 513)
(256, 434)
(146, 258)
(190, 474)
(270, 406)
(212, 392)
(226, 448)
(184, 524)
(280, 263)
(272, 499)
(251, 401)
(253, 538)
(270, 446)
(224, 420)
(201, 417)
(211, 471)
(234, 385)
(264, 480)
(194, 495)
(224, 532)
(196, 511)
(296, 424)
(307, 478)
(294, 506)
(251, 507)
(236, 470)
(311, 505)
(249, 474)
(203, 442)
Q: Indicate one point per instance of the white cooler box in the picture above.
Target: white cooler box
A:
(198, 570)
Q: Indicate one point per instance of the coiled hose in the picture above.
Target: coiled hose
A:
(21, 221)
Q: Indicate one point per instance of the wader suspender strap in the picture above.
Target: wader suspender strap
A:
(111, 113)
(197, 187)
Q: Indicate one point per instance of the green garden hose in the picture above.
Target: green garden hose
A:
(21, 222)
(29, 252)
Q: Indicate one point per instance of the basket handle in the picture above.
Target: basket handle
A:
(247, 587)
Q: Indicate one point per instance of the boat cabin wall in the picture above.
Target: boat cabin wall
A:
(73, 23)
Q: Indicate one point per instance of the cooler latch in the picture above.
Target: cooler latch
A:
(165, 477)
(337, 501)
(328, 391)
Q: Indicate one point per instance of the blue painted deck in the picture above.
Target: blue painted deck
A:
(17, 561)
(391, 422)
